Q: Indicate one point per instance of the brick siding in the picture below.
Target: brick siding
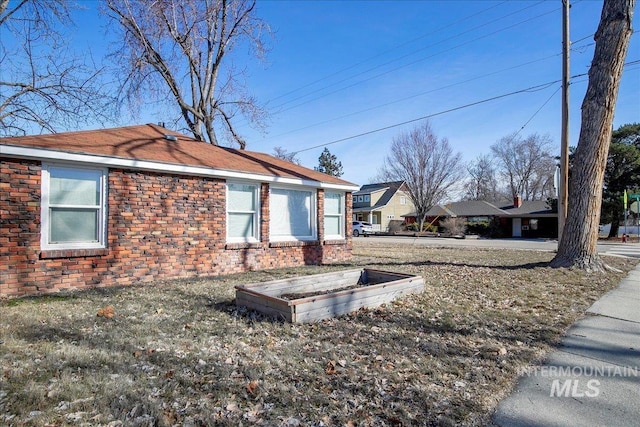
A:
(159, 227)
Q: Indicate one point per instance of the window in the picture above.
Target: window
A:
(73, 207)
(242, 212)
(334, 216)
(367, 198)
(360, 199)
(403, 200)
(292, 214)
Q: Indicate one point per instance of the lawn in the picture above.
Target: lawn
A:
(181, 353)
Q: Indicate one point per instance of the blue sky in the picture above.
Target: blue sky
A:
(342, 68)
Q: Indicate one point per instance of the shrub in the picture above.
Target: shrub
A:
(395, 225)
(454, 226)
(480, 228)
(425, 228)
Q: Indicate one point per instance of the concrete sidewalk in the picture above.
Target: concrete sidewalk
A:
(593, 379)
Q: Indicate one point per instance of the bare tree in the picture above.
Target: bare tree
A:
(482, 183)
(578, 246)
(179, 51)
(44, 86)
(283, 154)
(426, 164)
(454, 226)
(526, 165)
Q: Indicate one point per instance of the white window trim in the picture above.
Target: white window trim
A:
(256, 214)
(45, 207)
(340, 217)
(314, 215)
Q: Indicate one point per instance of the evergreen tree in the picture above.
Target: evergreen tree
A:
(622, 173)
(328, 163)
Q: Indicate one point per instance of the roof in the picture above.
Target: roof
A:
(372, 188)
(467, 208)
(529, 208)
(389, 188)
(147, 147)
(471, 208)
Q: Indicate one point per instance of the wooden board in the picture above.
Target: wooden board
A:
(380, 287)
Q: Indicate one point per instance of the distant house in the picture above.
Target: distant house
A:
(521, 218)
(142, 203)
(531, 218)
(382, 204)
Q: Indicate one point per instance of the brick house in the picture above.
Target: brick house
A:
(142, 203)
(521, 218)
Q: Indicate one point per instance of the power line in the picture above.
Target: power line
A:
(537, 111)
(529, 89)
(407, 55)
(404, 65)
(421, 93)
(386, 51)
(386, 104)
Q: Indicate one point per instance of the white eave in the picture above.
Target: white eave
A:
(154, 166)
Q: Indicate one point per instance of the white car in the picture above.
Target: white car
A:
(362, 228)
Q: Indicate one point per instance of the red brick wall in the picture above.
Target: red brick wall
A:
(159, 226)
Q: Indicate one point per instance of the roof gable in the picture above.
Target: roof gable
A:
(149, 143)
(372, 188)
(390, 189)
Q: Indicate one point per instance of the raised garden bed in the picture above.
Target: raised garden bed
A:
(320, 296)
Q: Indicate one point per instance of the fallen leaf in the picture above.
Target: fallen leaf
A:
(252, 387)
(106, 312)
(331, 368)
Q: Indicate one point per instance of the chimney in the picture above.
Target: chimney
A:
(517, 201)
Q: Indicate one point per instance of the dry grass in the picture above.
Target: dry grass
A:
(181, 353)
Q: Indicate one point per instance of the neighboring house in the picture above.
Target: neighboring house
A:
(528, 218)
(382, 204)
(142, 203)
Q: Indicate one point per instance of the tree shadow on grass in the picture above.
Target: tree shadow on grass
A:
(526, 266)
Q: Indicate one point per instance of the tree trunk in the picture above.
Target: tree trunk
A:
(577, 247)
(615, 225)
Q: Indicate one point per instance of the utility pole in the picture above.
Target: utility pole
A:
(563, 197)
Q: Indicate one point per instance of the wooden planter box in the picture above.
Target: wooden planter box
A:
(320, 296)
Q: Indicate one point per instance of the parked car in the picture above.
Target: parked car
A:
(362, 228)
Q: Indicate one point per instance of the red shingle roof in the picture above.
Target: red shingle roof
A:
(148, 143)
